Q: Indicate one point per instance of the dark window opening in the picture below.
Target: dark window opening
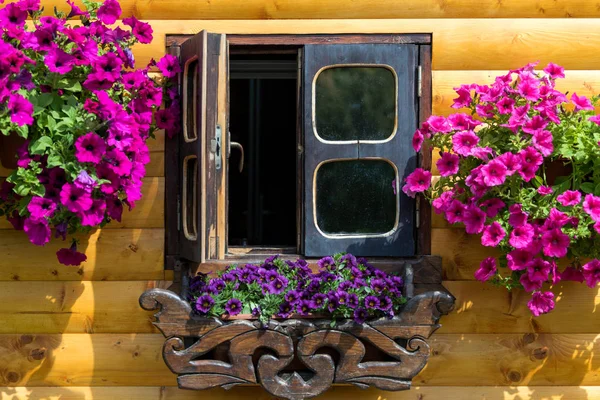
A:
(263, 120)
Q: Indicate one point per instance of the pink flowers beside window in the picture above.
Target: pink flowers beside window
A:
(72, 90)
(496, 179)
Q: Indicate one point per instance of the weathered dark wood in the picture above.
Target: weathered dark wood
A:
(425, 101)
(300, 40)
(274, 355)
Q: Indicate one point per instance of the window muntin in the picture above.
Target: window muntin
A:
(190, 100)
(355, 102)
(354, 198)
(190, 197)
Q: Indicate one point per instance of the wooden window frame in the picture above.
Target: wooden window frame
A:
(291, 43)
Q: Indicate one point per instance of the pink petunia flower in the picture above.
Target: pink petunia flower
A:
(595, 119)
(517, 260)
(441, 203)
(591, 273)
(517, 217)
(572, 274)
(438, 124)
(494, 173)
(545, 190)
(505, 105)
(40, 207)
(493, 234)
(37, 230)
(529, 89)
(109, 12)
(58, 61)
(591, 205)
(464, 97)
(541, 303)
(90, 148)
(555, 243)
(554, 71)
(114, 208)
(492, 206)
(569, 198)
(530, 285)
(95, 215)
(522, 236)
(417, 140)
(464, 142)
(462, 122)
(538, 269)
(474, 219)
(581, 102)
(542, 141)
(530, 157)
(486, 270)
(418, 181)
(535, 124)
(511, 161)
(448, 164)
(141, 30)
(169, 66)
(118, 162)
(75, 199)
(455, 212)
(21, 110)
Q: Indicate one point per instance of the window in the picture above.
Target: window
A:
(292, 144)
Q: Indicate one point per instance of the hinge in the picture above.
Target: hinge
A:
(417, 214)
(178, 213)
(419, 79)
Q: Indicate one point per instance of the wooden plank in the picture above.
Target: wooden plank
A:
(458, 44)
(113, 254)
(75, 307)
(342, 9)
(147, 213)
(130, 360)
(336, 393)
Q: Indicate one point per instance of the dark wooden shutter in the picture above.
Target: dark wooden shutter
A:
(402, 59)
(201, 160)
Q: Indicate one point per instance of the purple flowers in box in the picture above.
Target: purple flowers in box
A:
(342, 287)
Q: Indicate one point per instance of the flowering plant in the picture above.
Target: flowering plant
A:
(494, 165)
(72, 92)
(344, 287)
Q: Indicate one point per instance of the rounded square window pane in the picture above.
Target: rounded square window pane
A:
(355, 103)
(190, 85)
(355, 197)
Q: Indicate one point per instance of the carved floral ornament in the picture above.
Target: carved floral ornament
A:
(293, 359)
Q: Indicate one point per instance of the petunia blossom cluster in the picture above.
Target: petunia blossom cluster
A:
(70, 90)
(344, 287)
(498, 177)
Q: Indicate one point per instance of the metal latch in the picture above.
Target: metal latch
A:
(215, 146)
(419, 80)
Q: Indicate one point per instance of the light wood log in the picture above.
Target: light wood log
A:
(458, 44)
(335, 393)
(131, 360)
(113, 254)
(348, 9)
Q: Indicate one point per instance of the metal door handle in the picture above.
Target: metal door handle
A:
(236, 145)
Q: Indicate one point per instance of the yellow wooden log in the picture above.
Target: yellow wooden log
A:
(131, 360)
(342, 9)
(458, 44)
(113, 254)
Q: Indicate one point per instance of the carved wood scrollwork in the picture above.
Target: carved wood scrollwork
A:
(296, 359)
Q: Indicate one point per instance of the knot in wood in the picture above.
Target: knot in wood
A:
(514, 376)
(540, 353)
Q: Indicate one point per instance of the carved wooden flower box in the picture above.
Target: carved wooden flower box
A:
(297, 358)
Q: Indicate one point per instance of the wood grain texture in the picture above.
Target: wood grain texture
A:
(135, 360)
(458, 44)
(342, 9)
(336, 393)
(113, 254)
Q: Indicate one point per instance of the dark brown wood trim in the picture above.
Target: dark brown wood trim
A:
(424, 208)
(172, 202)
(300, 40)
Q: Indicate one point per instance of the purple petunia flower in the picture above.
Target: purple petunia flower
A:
(303, 307)
(371, 302)
(278, 285)
(233, 307)
(85, 181)
(360, 315)
(285, 310)
(318, 301)
(385, 303)
(75, 199)
(292, 297)
(204, 303)
(378, 285)
(37, 230)
(40, 207)
(326, 263)
(90, 148)
(70, 256)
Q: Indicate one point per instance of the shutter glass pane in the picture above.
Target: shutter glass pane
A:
(190, 197)
(356, 197)
(355, 103)
(190, 85)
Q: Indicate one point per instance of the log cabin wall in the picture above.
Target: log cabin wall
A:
(79, 333)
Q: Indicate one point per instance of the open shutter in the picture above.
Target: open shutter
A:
(201, 158)
(359, 116)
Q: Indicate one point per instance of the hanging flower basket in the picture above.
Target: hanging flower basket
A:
(75, 117)
(358, 339)
(521, 169)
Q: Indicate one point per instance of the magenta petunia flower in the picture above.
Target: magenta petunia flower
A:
(505, 105)
(448, 164)
(486, 270)
(581, 102)
(545, 190)
(95, 215)
(530, 285)
(464, 97)
(114, 208)
(494, 173)
(541, 303)
(511, 161)
(90, 148)
(75, 199)
(118, 162)
(119, 139)
(462, 122)
(572, 274)
(110, 64)
(441, 203)
(99, 81)
(418, 181)
(21, 110)
(492, 206)
(522, 236)
(591, 273)
(530, 157)
(538, 270)
(70, 256)
(535, 124)
(517, 216)
(595, 119)
(417, 140)
(517, 260)
(554, 71)
(75, 10)
(555, 243)
(529, 89)
(464, 142)
(542, 141)
(455, 212)
(58, 61)
(493, 234)
(474, 219)
(141, 30)
(165, 119)
(168, 66)
(40, 207)
(591, 205)
(438, 124)
(109, 12)
(12, 16)
(37, 230)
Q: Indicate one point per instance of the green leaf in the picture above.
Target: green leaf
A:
(587, 187)
(40, 145)
(538, 181)
(54, 160)
(43, 100)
